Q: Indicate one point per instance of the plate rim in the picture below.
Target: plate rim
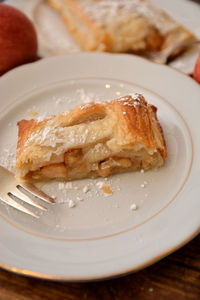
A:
(38, 275)
(42, 59)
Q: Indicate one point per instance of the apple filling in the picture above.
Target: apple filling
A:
(80, 163)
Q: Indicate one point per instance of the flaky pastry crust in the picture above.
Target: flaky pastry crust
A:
(94, 139)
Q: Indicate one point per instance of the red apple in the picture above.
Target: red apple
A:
(196, 73)
(18, 39)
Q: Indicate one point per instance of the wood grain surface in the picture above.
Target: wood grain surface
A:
(176, 277)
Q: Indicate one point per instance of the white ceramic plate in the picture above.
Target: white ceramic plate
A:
(101, 236)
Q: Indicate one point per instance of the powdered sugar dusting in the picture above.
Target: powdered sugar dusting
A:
(133, 206)
(100, 184)
(48, 136)
(7, 158)
(71, 203)
(85, 97)
(127, 100)
(103, 12)
(86, 189)
(42, 118)
(51, 136)
(76, 194)
(136, 96)
(87, 105)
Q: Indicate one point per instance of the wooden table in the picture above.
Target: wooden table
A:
(175, 277)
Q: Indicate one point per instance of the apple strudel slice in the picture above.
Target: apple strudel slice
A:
(94, 139)
(133, 26)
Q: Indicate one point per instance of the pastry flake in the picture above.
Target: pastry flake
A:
(94, 139)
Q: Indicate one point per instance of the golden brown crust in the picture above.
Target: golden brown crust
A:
(88, 35)
(92, 139)
(139, 122)
(25, 128)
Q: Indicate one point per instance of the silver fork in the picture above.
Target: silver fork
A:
(12, 190)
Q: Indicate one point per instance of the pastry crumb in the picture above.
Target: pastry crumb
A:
(143, 184)
(59, 101)
(86, 189)
(71, 203)
(68, 185)
(33, 113)
(133, 206)
(100, 184)
(107, 190)
(79, 198)
(61, 186)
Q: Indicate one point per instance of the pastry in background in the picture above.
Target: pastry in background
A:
(131, 26)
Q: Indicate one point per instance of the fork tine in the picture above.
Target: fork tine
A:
(17, 193)
(8, 200)
(29, 187)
